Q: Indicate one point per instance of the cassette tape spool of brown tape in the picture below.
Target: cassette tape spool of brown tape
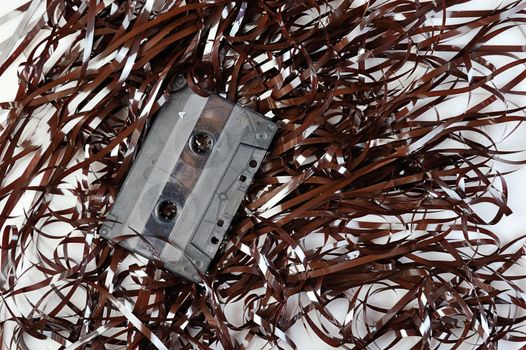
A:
(188, 181)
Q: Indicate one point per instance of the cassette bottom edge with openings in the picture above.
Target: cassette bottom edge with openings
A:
(188, 181)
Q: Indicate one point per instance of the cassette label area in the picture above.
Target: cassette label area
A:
(188, 181)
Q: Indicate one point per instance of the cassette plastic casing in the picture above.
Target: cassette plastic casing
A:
(204, 187)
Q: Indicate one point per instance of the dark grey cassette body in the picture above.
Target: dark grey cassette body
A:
(188, 181)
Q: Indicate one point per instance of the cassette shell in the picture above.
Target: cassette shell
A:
(188, 181)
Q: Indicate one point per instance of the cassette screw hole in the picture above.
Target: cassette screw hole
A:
(220, 223)
(260, 136)
(253, 163)
(242, 178)
(214, 240)
(201, 143)
(167, 210)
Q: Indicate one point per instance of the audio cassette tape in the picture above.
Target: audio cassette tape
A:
(188, 181)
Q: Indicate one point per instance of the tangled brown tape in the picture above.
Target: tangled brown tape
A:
(363, 225)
